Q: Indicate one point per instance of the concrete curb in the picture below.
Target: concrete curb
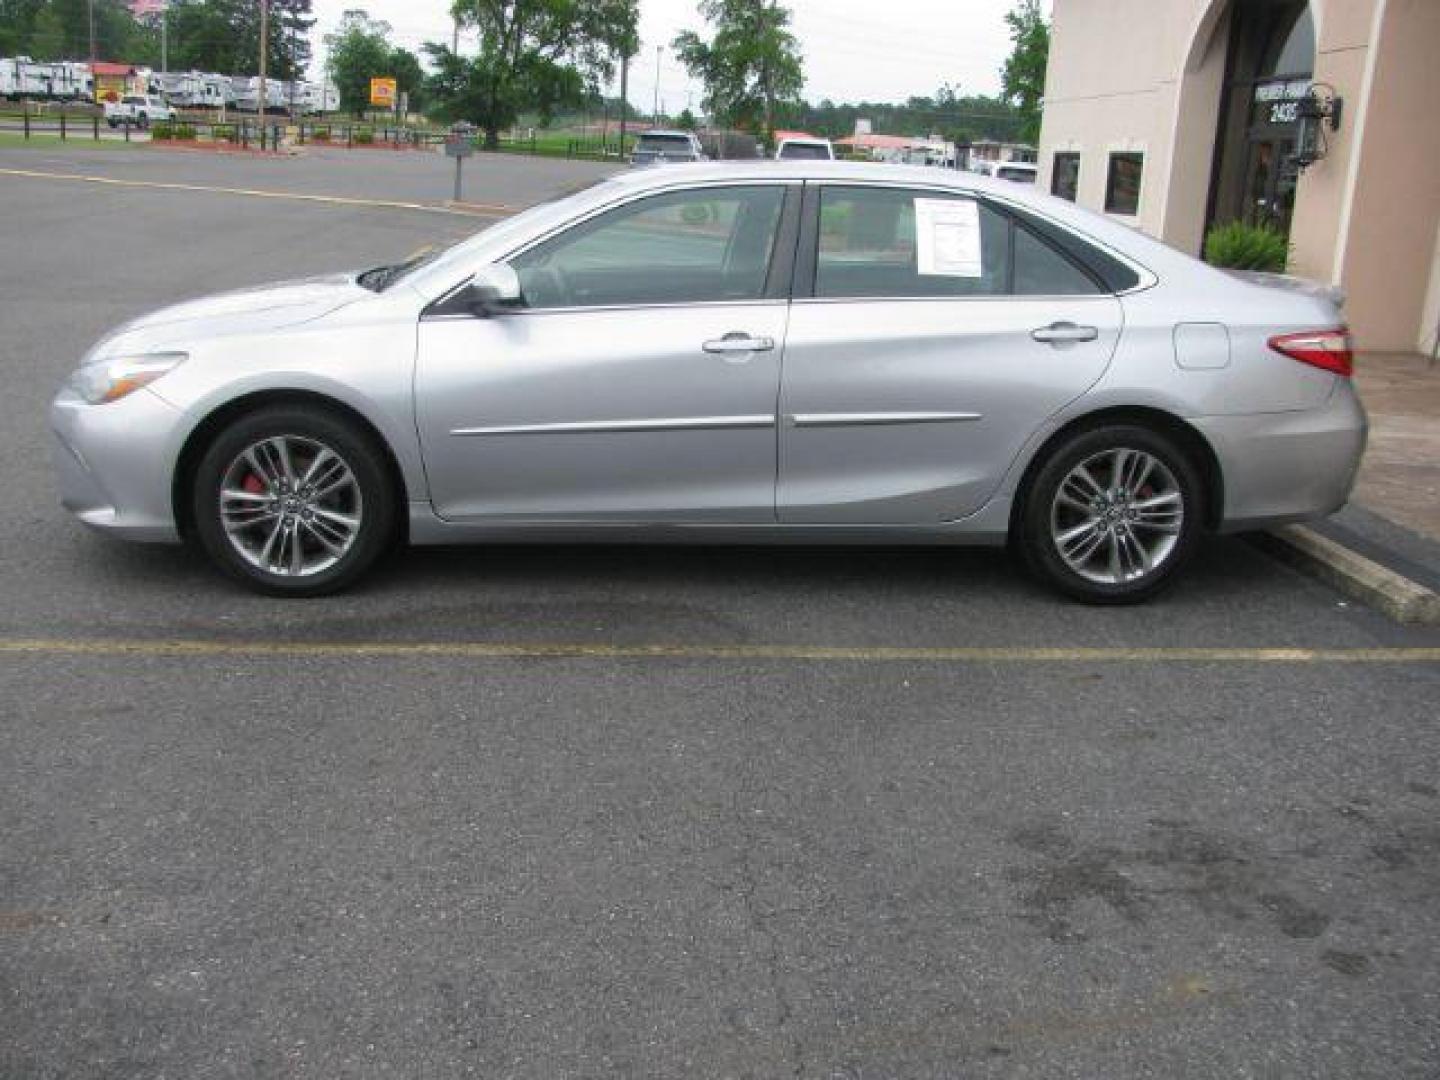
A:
(1356, 576)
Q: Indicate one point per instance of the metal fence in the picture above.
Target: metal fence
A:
(247, 131)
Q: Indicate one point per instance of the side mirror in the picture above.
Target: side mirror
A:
(492, 291)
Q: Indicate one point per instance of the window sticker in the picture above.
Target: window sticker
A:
(947, 238)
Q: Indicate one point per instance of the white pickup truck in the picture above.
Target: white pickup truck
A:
(137, 109)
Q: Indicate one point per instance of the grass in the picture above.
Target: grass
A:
(50, 140)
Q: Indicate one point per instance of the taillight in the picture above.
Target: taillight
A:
(1328, 349)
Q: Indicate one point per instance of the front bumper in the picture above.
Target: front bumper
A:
(114, 462)
(1288, 466)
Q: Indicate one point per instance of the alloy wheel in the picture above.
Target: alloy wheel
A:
(290, 506)
(1117, 516)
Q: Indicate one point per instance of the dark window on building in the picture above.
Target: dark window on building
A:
(1065, 177)
(1122, 185)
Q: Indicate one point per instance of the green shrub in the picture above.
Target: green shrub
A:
(162, 130)
(1238, 246)
(320, 134)
(364, 136)
(223, 133)
(183, 132)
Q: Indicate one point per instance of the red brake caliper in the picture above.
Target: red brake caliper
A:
(253, 484)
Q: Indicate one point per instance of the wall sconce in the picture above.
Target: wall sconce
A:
(1318, 110)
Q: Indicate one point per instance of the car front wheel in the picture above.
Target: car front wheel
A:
(1112, 515)
(294, 501)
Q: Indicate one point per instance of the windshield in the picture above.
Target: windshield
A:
(1024, 176)
(805, 152)
(443, 257)
(380, 278)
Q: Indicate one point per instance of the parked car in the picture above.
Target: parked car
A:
(798, 149)
(663, 147)
(964, 361)
(137, 109)
(1020, 172)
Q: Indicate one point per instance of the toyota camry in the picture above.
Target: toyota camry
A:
(790, 352)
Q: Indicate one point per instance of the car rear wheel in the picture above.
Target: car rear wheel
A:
(294, 501)
(1112, 515)
(142, 122)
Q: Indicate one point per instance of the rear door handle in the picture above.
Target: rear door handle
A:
(739, 342)
(1064, 333)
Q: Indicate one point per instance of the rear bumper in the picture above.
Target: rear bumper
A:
(113, 463)
(1288, 466)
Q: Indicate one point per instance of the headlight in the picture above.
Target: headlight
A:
(116, 377)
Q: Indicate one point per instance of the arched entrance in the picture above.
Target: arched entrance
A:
(1269, 64)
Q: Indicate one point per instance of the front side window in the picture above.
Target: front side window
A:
(704, 245)
(1122, 185)
(1065, 177)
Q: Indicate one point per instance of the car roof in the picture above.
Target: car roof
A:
(802, 169)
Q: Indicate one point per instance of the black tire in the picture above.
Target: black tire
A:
(113, 123)
(367, 463)
(143, 122)
(1037, 526)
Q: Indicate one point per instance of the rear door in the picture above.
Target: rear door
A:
(935, 333)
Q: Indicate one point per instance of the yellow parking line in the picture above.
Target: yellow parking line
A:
(467, 210)
(479, 650)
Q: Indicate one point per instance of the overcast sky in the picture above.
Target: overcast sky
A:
(855, 50)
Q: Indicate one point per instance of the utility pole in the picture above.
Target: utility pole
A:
(455, 38)
(264, 53)
(624, 99)
(164, 40)
(93, 57)
(655, 111)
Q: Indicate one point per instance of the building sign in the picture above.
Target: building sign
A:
(1278, 101)
(382, 93)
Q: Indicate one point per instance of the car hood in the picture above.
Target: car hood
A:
(265, 307)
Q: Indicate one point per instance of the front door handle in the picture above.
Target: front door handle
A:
(739, 342)
(1064, 333)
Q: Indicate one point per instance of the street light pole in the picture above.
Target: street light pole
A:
(93, 57)
(655, 110)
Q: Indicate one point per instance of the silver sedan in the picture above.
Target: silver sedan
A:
(796, 352)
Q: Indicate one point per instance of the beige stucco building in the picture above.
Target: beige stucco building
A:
(1180, 114)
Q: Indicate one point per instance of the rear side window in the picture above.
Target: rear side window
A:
(870, 245)
(1040, 270)
(885, 242)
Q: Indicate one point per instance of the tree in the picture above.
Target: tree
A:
(359, 51)
(534, 55)
(750, 67)
(224, 36)
(1022, 79)
(409, 77)
(686, 121)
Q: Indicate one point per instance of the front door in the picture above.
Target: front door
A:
(940, 335)
(638, 382)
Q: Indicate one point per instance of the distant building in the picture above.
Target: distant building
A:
(993, 150)
(1177, 115)
(898, 149)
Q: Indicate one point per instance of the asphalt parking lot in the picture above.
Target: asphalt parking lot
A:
(542, 812)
